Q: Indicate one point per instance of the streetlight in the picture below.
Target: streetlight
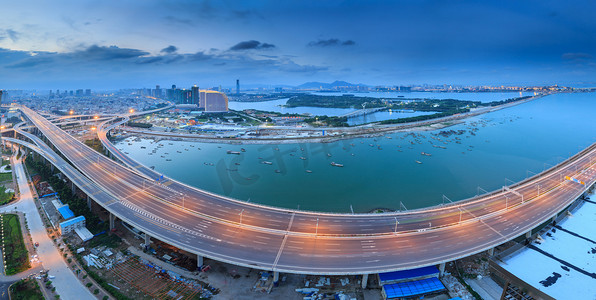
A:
(131, 110)
(396, 222)
(317, 228)
(71, 112)
(241, 216)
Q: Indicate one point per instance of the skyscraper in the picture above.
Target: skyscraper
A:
(237, 86)
(157, 92)
(195, 95)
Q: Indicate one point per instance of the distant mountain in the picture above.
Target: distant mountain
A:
(324, 85)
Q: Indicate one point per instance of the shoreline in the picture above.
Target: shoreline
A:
(363, 131)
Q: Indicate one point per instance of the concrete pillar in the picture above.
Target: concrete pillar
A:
(275, 277)
(200, 261)
(364, 281)
(88, 202)
(529, 234)
(52, 168)
(112, 219)
(73, 187)
(147, 239)
(554, 218)
(441, 269)
(491, 251)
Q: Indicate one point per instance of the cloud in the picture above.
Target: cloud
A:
(252, 44)
(95, 52)
(176, 20)
(169, 49)
(13, 35)
(576, 56)
(31, 62)
(331, 42)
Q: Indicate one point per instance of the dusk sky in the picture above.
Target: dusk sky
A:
(118, 44)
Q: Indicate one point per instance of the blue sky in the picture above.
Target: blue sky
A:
(116, 44)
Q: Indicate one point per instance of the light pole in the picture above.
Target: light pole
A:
(396, 222)
(241, 216)
(460, 214)
(317, 228)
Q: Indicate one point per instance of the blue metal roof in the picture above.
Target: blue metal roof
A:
(413, 288)
(72, 221)
(66, 212)
(406, 274)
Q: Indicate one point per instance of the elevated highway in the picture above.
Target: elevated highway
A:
(295, 241)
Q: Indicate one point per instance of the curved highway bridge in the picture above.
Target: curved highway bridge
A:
(284, 240)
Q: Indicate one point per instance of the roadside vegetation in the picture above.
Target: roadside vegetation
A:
(26, 289)
(95, 144)
(16, 255)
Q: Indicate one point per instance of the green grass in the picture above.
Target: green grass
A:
(5, 177)
(95, 144)
(26, 290)
(16, 255)
(4, 196)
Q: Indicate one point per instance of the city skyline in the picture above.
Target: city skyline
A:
(115, 45)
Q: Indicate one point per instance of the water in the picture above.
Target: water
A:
(507, 144)
(385, 115)
(482, 97)
(277, 106)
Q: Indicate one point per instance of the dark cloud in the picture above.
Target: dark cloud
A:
(176, 20)
(108, 53)
(169, 49)
(149, 60)
(252, 44)
(576, 56)
(331, 42)
(199, 56)
(13, 35)
(31, 62)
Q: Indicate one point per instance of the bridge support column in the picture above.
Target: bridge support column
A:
(554, 218)
(441, 269)
(147, 239)
(52, 168)
(529, 234)
(491, 251)
(364, 281)
(200, 261)
(88, 202)
(112, 220)
(73, 187)
(275, 277)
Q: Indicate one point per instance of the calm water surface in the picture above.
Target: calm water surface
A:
(382, 171)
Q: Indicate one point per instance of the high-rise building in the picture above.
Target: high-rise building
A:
(213, 101)
(237, 86)
(79, 93)
(195, 95)
(157, 93)
(88, 92)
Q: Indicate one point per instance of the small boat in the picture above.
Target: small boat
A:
(426, 154)
(233, 152)
(168, 159)
(328, 154)
(143, 147)
(336, 164)
(267, 162)
(277, 171)
(308, 171)
(302, 157)
(418, 162)
(152, 167)
(237, 164)
(242, 149)
(179, 151)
